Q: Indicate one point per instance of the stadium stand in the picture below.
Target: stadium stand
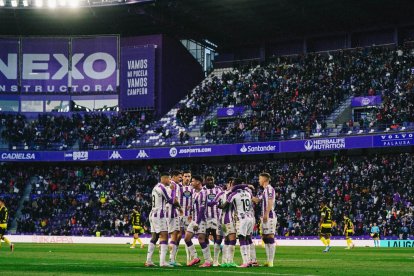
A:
(288, 98)
(81, 200)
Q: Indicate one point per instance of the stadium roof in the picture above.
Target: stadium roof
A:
(224, 22)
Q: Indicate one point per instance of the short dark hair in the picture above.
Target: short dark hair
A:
(208, 175)
(237, 181)
(229, 179)
(186, 171)
(198, 178)
(176, 173)
(266, 175)
(164, 174)
(2, 200)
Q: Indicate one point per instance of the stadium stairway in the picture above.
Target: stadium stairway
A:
(342, 114)
(25, 197)
(169, 124)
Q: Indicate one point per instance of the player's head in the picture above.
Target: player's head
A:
(197, 182)
(2, 203)
(165, 178)
(176, 176)
(135, 209)
(346, 215)
(323, 202)
(264, 179)
(230, 183)
(186, 178)
(237, 181)
(209, 180)
(375, 224)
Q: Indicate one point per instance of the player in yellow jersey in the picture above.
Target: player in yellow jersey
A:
(325, 225)
(348, 231)
(136, 227)
(4, 215)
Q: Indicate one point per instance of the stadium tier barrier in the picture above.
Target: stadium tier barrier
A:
(325, 144)
(363, 241)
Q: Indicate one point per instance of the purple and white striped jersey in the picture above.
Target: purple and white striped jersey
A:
(172, 212)
(268, 193)
(213, 211)
(242, 203)
(227, 214)
(160, 199)
(186, 199)
(198, 211)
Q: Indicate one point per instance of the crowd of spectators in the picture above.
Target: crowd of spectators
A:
(293, 95)
(286, 97)
(85, 199)
(13, 180)
(86, 131)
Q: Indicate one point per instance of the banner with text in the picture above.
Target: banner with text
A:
(45, 65)
(94, 64)
(137, 80)
(366, 101)
(9, 64)
(271, 147)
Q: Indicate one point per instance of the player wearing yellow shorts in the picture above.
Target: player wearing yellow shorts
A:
(4, 215)
(136, 227)
(325, 225)
(348, 231)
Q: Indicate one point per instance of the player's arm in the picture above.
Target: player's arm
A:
(216, 200)
(201, 211)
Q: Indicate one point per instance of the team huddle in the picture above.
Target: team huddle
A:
(182, 205)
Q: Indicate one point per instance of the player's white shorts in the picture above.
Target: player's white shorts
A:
(212, 223)
(158, 224)
(246, 226)
(184, 222)
(173, 224)
(269, 227)
(201, 227)
(229, 228)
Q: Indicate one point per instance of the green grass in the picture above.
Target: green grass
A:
(71, 259)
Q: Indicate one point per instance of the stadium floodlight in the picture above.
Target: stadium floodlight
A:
(1, 3)
(51, 4)
(62, 3)
(74, 3)
(39, 3)
(14, 3)
(25, 3)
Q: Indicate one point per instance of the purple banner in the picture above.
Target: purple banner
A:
(230, 111)
(394, 140)
(94, 64)
(9, 64)
(326, 144)
(45, 65)
(366, 101)
(137, 79)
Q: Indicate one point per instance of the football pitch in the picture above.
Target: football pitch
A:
(85, 259)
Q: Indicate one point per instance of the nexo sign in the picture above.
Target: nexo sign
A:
(46, 65)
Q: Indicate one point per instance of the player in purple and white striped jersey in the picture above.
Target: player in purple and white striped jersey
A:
(212, 216)
(268, 216)
(158, 219)
(249, 240)
(227, 224)
(241, 199)
(198, 223)
(186, 203)
(173, 217)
